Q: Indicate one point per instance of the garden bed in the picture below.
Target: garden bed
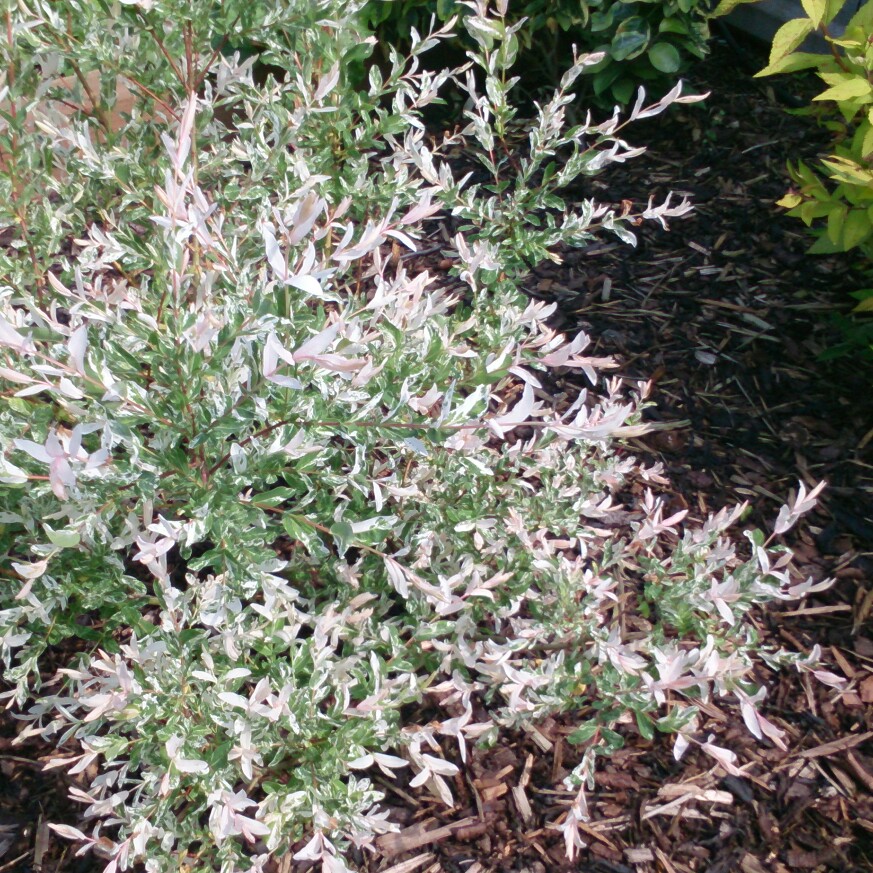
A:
(728, 317)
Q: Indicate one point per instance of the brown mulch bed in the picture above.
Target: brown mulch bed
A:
(728, 317)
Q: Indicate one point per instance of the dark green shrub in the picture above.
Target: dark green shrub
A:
(643, 41)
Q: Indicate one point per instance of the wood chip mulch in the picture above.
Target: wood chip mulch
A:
(729, 317)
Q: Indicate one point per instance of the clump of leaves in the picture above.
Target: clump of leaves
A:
(840, 188)
(834, 197)
(641, 42)
(271, 483)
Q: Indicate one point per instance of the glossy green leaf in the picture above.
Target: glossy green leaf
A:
(602, 80)
(673, 25)
(630, 40)
(623, 90)
(603, 19)
(664, 57)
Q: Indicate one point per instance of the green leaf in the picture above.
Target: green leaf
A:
(549, 172)
(19, 405)
(583, 733)
(793, 62)
(725, 7)
(603, 20)
(812, 209)
(275, 496)
(377, 13)
(673, 25)
(823, 246)
(847, 90)
(434, 630)
(862, 19)
(676, 719)
(756, 537)
(856, 228)
(64, 538)
(612, 739)
(815, 9)
(802, 173)
(631, 38)
(849, 42)
(298, 530)
(112, 746)
(507, 52)
(664, 57)
(835, 225)
(644, 723)
(444, 9)
(789, 37)
(622, 90)
(358, 53)
(552, 201)
(343, 536)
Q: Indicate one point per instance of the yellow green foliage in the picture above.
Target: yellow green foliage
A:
(835, 196)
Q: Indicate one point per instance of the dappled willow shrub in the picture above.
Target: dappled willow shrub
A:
(263, 485)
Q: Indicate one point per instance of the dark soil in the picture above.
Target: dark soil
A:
(728, 317)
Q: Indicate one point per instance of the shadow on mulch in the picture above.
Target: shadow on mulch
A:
(728, 317)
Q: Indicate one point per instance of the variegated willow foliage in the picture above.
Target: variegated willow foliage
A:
(262, 486)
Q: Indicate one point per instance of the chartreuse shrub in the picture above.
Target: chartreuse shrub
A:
(264, 485)
(647, 41)
(840, 188)
(834, 196)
